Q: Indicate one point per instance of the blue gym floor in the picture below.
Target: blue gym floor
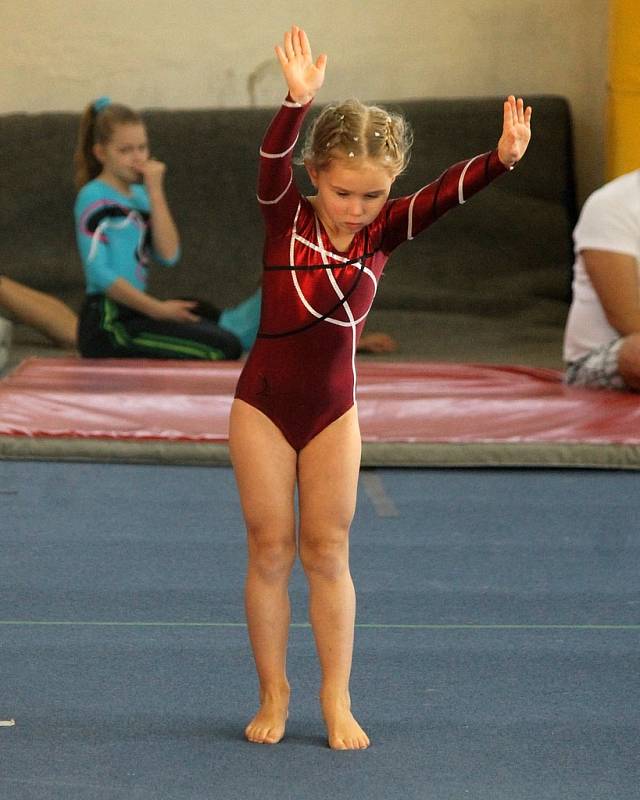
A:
(497, 650)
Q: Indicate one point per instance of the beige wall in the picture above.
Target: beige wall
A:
(58, 54)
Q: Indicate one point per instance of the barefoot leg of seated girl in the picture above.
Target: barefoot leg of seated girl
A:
(39, 310)
(327, 481)
(265, 470)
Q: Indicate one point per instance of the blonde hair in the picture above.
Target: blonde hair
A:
(97, 124)
(353, 130)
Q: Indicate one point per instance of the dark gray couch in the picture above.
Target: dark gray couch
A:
(489, 282)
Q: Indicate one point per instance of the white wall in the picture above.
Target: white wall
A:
(59, 54)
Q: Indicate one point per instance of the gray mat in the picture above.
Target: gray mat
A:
(374, 454)
(497, 649)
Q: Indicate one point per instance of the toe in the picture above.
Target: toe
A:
(255, 735)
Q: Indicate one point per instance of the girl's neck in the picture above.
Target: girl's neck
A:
(339, 240)
(116, 183)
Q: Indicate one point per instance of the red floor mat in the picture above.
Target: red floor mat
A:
(401, 402)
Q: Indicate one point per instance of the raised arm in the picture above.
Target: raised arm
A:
(410, 215)
(277, 193)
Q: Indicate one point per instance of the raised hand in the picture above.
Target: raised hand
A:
(516, 131)
(303, 76)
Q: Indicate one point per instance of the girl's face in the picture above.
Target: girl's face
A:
(350, 195)
(124, 154)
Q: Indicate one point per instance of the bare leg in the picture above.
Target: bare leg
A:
(629, 361)
(265, 470)
(39, 310)
(328, 470)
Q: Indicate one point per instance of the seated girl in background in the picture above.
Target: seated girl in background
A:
(121, 223)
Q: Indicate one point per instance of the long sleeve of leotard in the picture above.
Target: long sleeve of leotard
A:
(277, 193)
(408, 216)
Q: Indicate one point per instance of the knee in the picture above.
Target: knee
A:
(629, 360)
(226, 342)
(325, 555)
(272, 556)
(231, 346)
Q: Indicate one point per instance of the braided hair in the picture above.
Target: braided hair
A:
(353, 130)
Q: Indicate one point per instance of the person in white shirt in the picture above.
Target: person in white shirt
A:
(602, 334)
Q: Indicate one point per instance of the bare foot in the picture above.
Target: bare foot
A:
(377, 343)
(343, 730)
(268, 725)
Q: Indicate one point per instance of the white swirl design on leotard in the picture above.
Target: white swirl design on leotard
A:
(352, 322)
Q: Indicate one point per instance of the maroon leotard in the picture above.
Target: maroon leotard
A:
(301, 371)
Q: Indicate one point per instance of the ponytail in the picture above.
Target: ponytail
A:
(97, 124)
(85, 163)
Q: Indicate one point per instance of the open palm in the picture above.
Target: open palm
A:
(516, 131)
(303, 76)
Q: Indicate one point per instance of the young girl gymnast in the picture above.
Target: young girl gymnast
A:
(294, 421)
(122, 221)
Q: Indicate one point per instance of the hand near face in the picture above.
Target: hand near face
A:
(152, 172)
